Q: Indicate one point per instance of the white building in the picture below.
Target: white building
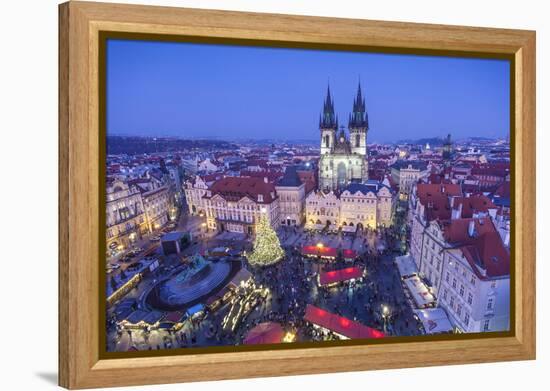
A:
(406, 174)
(235, 204)
(157, 205)
(125, 215)
(194, 191)
(460, 253)
(469, 270)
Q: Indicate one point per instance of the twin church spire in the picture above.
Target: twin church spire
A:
(358, 118)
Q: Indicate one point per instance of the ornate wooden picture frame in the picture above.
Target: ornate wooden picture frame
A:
(83, 28)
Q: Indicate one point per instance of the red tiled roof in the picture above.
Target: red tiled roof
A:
(271, 175)
(484, 248)
(340, 325)
(435, 198)
(307, 177)
(235, 188)
(489, 170)
(503, 190)
(346, 274)
(211, 177)
(472, 204)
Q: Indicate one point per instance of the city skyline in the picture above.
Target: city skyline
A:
(161, 90)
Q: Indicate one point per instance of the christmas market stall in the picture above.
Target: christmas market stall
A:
(323, 252)
(406, 266)
(422, 296)
(334, 277)
(343, 328)
(141, 319)
(434, 321)
(195, 310)
(173, 321)
(349, 255)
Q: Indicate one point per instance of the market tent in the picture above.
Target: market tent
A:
(264, 333)
(242, 275)
(153, 317)
(349, 254)
(406, 266)
(434, 320)
(334, 276)
(420, 293)
(323, 252)
(195, 309)
(136, 316)
(340, 325)
(174, 317)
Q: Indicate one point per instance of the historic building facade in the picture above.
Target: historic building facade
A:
(125, 215)
(235, 204)
(292, 193)
(459, 252)
(357, 206)
(343, 157)
(407, 173)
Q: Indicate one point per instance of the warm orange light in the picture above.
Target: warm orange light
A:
(320, 245)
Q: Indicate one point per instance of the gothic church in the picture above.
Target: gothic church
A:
(343, 157)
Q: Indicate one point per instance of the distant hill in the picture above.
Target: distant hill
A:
(433, 141)
(132, 145)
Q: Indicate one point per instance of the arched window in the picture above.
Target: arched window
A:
(357, 140)
(327, 140)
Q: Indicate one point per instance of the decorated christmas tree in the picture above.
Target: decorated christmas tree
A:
(267, 248)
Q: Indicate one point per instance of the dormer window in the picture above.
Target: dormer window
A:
(260, 198)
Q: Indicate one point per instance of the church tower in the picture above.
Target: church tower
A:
(328, 124)
(447, 150)
(358, 125)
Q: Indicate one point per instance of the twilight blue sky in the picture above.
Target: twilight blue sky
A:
(231, 92)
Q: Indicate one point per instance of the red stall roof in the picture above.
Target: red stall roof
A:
(322, 251)
(349, 254)
(330, 252)
(333, 276)
(339, 324)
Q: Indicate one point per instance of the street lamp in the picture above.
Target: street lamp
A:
(385, 315)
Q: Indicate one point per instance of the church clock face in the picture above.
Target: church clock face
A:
(341, 139)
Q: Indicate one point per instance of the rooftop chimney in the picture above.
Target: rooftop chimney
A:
(472, 228)
(457, 213)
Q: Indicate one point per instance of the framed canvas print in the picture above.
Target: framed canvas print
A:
(247, 195)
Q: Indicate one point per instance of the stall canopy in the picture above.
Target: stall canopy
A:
(349, 254)
(324, 252)
(420, 293)
(174, 317)
(334, 276)
(268, 332)
(153, 317)
(340, 325)
(195, 309)
(327, 252)
(136, 316)
(406, 266)
(242, 275)
(434, 320)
